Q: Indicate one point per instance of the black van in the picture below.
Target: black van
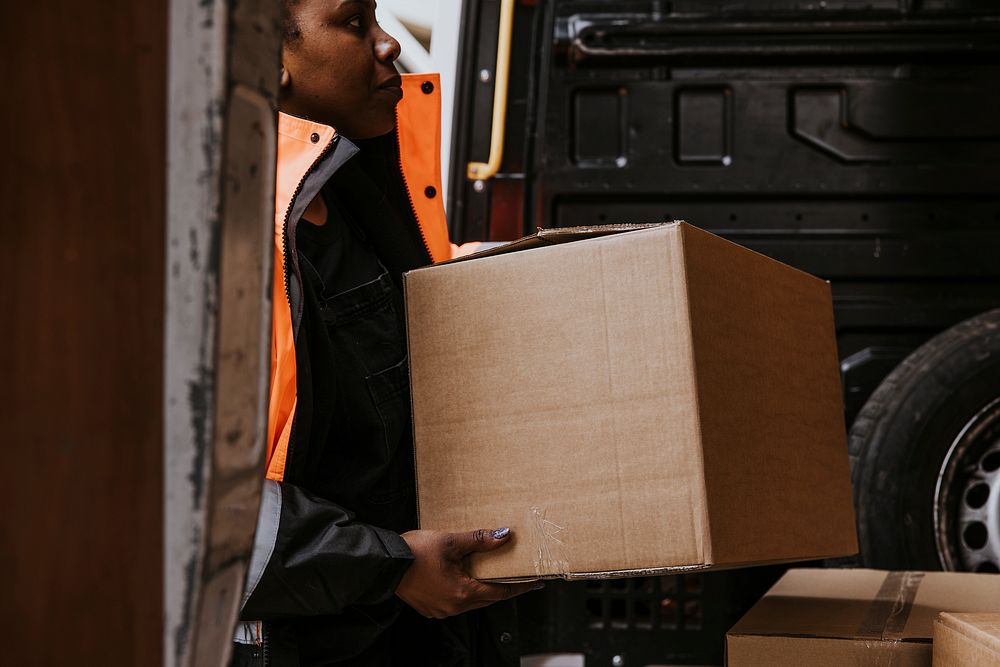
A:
(858, 140)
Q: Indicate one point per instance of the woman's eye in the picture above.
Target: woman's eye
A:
(355, 22)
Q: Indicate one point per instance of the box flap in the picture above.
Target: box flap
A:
(645, 572)
(956, 592)
(547, 237)
(778, 651)
(816, 603)
(982, 628)
(874, 604)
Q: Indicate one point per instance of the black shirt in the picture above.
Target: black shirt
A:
(354, 322)
(336, 250)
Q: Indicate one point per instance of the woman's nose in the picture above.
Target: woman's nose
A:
(387, 49)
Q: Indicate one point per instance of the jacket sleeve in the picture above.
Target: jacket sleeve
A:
(311, 558)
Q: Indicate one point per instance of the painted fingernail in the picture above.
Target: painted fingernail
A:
(500, 533)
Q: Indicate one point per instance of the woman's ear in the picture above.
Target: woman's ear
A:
(285, 78)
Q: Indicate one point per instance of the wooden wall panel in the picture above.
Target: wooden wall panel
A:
(82, 172)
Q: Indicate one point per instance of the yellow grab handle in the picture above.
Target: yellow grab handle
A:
(481, 171)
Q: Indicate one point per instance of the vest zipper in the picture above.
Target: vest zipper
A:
(293, 263)
(409, 192)
(286, 221)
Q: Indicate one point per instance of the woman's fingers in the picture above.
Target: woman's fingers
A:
(479, 540)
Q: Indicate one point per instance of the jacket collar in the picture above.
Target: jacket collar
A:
(303, 129)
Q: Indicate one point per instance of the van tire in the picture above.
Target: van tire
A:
(902, 436)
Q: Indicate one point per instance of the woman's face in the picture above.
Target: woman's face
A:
(338, 68)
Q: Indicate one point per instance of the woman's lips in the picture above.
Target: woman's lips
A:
(394, 87)
(395, 91)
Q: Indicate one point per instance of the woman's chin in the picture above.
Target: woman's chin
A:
(369, 130)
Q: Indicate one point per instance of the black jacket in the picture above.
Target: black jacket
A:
(328, 554)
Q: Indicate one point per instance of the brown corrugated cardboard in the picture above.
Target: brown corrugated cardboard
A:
(855, 617)
(967, 640)
(644, 401)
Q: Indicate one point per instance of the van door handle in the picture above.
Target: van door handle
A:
(481, 171)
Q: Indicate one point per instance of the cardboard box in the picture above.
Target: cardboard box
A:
(645, 401)
(967, 640)
(831, 618)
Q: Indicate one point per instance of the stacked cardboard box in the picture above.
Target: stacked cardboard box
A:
(828, 618)
(628, 401)
(967, 640)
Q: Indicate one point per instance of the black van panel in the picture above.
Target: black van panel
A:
(858, 140)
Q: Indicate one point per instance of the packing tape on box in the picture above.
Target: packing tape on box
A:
(548, 536)
(879, 653)
(551, 555)
(884, 622)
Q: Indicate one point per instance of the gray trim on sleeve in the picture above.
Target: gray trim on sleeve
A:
(265, 537)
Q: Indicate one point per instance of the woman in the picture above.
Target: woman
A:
(338, 574)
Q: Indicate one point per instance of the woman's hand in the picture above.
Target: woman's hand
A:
(438, 585)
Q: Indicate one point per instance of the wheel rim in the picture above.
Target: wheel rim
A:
(967, 496)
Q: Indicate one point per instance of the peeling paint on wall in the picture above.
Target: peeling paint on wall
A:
(224, 59)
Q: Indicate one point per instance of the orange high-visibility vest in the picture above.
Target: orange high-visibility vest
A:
(419, 131)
